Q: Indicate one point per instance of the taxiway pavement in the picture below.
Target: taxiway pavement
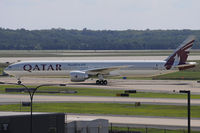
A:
(161, 86)
(13, 98)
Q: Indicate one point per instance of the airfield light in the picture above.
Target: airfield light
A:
(188, 107)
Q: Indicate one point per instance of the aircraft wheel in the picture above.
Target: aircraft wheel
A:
(101, 82)
(105, 82)
(19, 82)
(97, 82)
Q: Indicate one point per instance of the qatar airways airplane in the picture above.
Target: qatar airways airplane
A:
(79, 71)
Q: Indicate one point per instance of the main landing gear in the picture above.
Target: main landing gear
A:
(101, 82)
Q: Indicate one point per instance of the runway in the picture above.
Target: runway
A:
(144, 122)
(13, 98)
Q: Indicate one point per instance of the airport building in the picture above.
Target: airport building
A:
(19, 122)
(87, 126)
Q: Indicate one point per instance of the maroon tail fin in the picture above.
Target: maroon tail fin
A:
(180, 55)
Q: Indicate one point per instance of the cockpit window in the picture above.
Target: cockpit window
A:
(10, 67)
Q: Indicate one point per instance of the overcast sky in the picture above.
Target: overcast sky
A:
(100, 14)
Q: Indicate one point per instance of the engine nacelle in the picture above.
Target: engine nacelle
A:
(78, 76)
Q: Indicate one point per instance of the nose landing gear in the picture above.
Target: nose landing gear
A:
(19, 82)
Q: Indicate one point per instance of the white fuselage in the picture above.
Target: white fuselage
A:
(63, 68)
(80, 71)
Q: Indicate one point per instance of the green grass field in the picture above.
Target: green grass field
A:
(2, 66)
(99, 92)
(1, 71)
(109, 108)
(181, 75)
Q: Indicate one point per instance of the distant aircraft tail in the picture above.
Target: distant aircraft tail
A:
(180, 55)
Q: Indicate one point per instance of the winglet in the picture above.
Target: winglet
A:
(180, 55)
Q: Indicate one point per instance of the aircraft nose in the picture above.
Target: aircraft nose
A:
(6, 70)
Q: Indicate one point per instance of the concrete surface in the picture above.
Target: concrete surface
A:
(154, 122)
(13, 98)
(15, 59)
(166, 86)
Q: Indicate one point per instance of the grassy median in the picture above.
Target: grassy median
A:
(108, 108)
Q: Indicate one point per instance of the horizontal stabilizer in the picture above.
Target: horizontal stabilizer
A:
(187, 65)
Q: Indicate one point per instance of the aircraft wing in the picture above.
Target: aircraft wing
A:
(104, 70)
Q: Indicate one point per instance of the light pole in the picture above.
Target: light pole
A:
(188, 107)
(31, 94)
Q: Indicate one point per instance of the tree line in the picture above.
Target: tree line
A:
(62, 39)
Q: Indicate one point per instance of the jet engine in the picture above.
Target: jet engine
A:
(78, 76)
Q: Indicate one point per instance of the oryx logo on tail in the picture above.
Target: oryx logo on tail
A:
(180, 55)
